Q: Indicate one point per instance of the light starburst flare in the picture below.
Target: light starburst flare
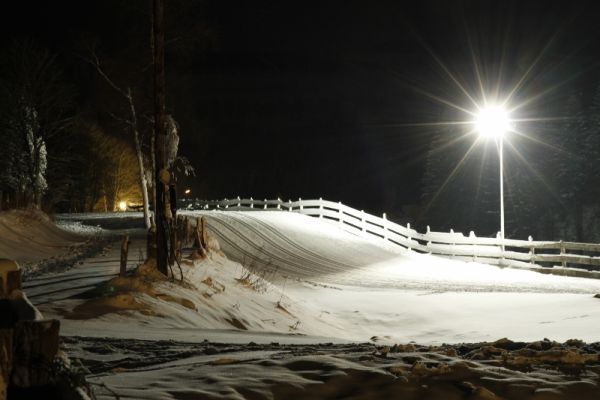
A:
(492, 122)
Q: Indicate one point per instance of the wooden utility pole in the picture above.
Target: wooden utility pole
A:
(161, 172)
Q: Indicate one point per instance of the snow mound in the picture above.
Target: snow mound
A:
(215, 293)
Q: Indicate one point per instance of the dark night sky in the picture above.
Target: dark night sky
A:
(300, 99)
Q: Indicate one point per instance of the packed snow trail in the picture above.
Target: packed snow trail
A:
(85, 275)
(48, 288)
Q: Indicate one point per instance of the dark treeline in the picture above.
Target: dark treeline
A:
(52, 156)
(66, 129)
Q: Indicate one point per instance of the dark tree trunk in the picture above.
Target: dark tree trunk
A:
(160, 138)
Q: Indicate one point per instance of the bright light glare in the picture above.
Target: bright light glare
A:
(188, 191)
(123, 205)
(492, 122)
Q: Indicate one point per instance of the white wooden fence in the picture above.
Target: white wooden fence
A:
(528, 254)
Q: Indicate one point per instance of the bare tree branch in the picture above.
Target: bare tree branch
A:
(94, 61)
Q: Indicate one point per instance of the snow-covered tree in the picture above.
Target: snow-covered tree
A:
(35, 105)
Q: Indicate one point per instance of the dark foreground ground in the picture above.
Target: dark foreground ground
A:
(136, 369)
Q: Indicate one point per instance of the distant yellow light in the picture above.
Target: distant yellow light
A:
(123, 205)
(188, 191)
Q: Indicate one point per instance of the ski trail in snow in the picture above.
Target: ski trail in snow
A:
(85, 275)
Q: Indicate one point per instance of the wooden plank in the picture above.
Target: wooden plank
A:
(567, 258)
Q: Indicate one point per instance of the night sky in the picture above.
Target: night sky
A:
(318, 99)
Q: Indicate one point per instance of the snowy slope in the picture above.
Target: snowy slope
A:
(333, 284)
(145, 336)
(308, 248)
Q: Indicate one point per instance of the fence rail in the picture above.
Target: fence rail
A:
(564, 258)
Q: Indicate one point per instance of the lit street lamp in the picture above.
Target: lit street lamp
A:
(493, 123)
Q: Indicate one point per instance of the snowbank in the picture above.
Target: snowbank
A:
(29, 236)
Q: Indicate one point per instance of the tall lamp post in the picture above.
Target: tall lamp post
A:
(493, 123)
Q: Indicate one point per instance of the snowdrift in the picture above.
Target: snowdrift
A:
(216, 293)
(29, 236)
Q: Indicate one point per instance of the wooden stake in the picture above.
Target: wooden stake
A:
(124, 251)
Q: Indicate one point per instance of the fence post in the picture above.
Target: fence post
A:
(320, 207)
(362, 220)
(239, 204)
(278, 203)
(472, 236)
(501, 240)
(290, 205)
(251, 202)
(124, 251)
(531, 251)
(265, 206)
(384, 226)
(408, 235)
(300, 203)
(429, 241)
(340, 214)
(562, 254)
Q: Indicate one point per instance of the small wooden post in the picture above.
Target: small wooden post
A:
(188, 232)
(472, 236)
(531, 251)
(204, 233)
(124, 251)
(362, 221)
(562, 254)
(201, 238)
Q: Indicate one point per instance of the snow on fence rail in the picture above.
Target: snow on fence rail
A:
(527, 254)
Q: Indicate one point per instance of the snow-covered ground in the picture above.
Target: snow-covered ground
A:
(311, 278)
(287, 278)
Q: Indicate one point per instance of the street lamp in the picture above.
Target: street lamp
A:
(492, 123)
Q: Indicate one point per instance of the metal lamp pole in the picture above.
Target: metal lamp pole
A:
(500, 155)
